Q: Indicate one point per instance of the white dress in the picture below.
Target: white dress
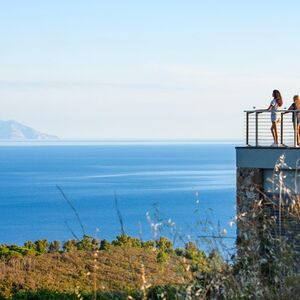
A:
(275, 116)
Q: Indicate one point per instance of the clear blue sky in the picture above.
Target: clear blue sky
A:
(145, 69)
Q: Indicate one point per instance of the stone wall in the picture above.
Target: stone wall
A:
(249, 188)
(254, 210)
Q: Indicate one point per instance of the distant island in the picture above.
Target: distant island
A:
(13, 130)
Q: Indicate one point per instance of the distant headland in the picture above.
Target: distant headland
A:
(13, 130)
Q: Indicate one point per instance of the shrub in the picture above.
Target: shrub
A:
(180, 252)
(126, 241)
(162, 256)
(70, 246)
(41, 246)
(88, 243)
(164, 245)
(54, 246)
(30, 245)
(198, 257)
(148, 244)
(4, 250)
(105, 245)
(15, 250)
(167, 292)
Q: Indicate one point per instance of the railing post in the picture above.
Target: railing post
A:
(281, 129)
(256, 129)
(247, 128)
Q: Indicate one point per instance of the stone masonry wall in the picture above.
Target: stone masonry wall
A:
(249, 185)
(249, 192)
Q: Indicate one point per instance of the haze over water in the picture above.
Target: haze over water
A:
(144, 177)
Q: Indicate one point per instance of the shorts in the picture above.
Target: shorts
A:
(297, 118)
(275, 117)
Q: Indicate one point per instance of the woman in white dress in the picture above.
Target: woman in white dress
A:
(275, 116)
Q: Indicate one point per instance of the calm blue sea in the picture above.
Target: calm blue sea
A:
(185, 184)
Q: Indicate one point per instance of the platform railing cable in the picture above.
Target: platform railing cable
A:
(258, 128)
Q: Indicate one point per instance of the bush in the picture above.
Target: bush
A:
(54, 246)
(180, 252)
(43, 295)
(41, 246)
(162, 256)
(164, 245)
(198, 257)
(30, 245)
(105, 245)
(126, 241)
(167, 292)
(70, 246)
(148, 244)
(15, 250)
(88, 243)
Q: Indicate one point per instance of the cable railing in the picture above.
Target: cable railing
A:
(258, 124)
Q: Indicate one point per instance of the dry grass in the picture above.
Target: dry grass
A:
(118, 269)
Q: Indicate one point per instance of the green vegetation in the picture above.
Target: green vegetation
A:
(128, 268)
(49, 270)
(126, 241)
(169, 292)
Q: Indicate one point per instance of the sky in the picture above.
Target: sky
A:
(145, 69)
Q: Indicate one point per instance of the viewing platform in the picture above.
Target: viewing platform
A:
(258, 151)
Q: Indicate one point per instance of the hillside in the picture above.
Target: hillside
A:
(125, 265)
(13, 130)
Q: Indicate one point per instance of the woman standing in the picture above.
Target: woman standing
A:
(296, 116)
(275, 116)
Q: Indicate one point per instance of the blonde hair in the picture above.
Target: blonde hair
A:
(297, 101)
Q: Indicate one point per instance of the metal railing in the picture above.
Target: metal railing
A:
(258, 124)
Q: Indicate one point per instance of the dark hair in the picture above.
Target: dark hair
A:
(277, 96)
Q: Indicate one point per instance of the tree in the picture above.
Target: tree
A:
(70, 246)
(198, 257)
(30, 245)
(105, 245)
(54, 246)
(125, 240)
(148, 245)
(164, 245)
(88, 243)
(191, 250)
(162, 256)
(41, 246)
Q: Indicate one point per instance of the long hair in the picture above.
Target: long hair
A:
(277, 96)
(296, 99)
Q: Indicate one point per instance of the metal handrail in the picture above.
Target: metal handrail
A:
(266, 110)
(258, 133)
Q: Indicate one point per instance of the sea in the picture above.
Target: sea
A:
(60, 191)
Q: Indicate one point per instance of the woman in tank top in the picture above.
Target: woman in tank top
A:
(275, 104)
(296, 117)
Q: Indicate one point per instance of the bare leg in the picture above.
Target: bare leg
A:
(274, 132)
